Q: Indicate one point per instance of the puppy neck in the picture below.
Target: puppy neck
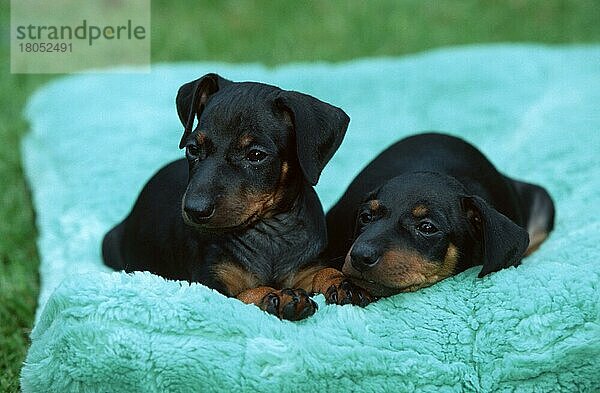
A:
(275, 247)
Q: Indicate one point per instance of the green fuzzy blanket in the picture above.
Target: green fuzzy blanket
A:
(534, 110)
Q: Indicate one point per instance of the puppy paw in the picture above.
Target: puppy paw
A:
(347, 293)
(289, 304)
(338, 290)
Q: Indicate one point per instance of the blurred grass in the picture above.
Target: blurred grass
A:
(284, 31)
(270, 32)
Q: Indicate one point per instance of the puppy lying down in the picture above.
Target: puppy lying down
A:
(429, 207)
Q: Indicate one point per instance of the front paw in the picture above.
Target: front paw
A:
(348, 293)
(290, 304)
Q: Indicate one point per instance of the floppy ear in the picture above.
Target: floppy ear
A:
(319, 127)
(504, 242)
(191, 99)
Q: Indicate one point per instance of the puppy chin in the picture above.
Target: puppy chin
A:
(374, 287)
(214, 225)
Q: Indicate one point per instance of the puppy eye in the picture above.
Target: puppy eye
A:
(365, 217)
(427, 228)
(192, 150)
(255, 156)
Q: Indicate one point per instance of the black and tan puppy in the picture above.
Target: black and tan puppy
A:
(431, 206)
(239, 214)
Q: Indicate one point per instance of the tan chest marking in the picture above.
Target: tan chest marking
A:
(235, 278)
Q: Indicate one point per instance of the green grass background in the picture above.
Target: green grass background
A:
(270, 32)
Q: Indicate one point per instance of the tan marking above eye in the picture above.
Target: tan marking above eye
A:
(200, 138)
(245, 140)
(420, 211)
(374, 205)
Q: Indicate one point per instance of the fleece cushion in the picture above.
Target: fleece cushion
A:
(95, 140)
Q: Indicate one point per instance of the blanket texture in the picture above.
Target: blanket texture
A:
(95, 140)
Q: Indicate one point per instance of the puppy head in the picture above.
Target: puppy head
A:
(420, 228)
(253, 147)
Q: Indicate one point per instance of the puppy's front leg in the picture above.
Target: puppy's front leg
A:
(236, 281)
(334, 285)
(290, 304)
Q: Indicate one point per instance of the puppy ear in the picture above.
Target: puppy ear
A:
(319, 127)
(504, 242)
(191, 99)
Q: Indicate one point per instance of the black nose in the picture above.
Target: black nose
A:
(363, 257)
(199, 210)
